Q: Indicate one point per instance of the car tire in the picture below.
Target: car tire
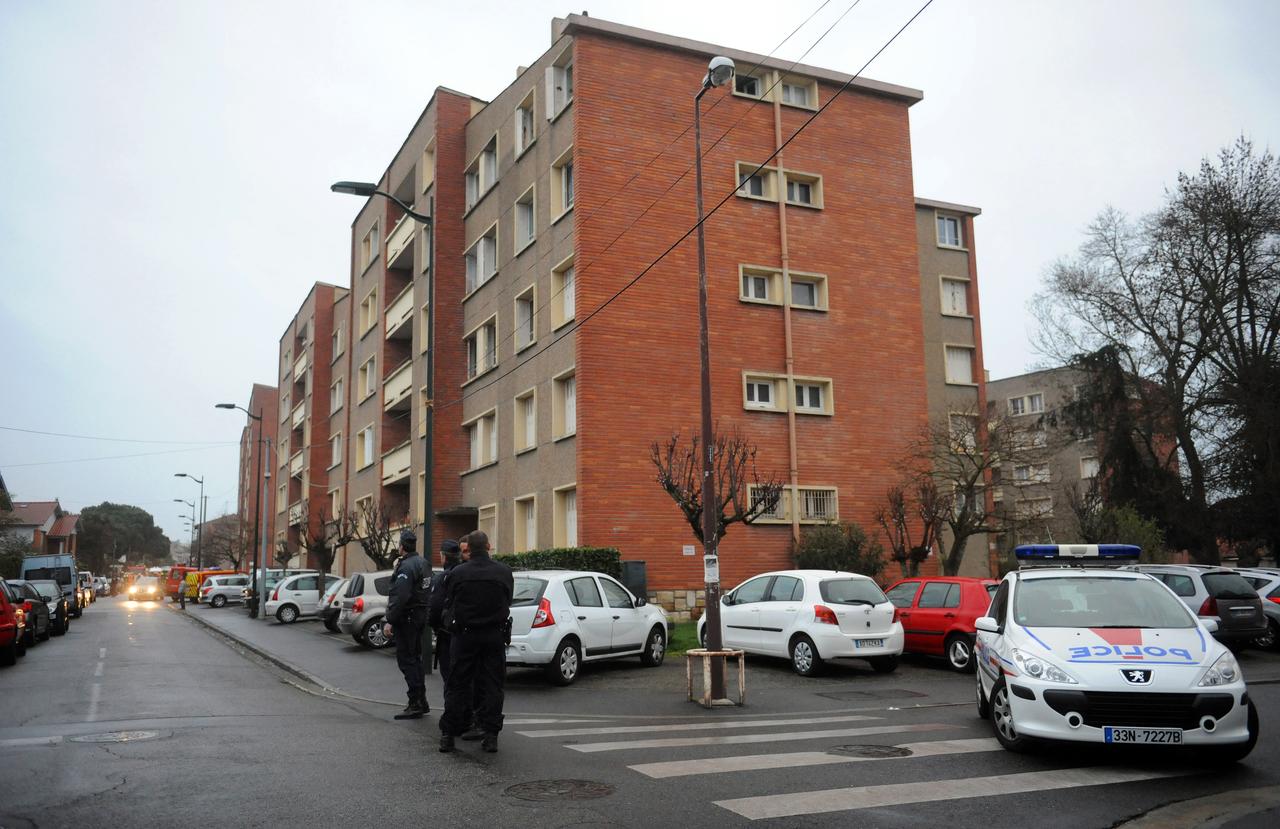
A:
(371, 635)
(1002, 719)
(884, 664)
(9, 654)
(60, 628)
(1228, 754)
(702, 637)
(959, 652)
(804, 656)
(286, 614)
(48, 632)
(1270, 640)
(331, 624)
(218, 601)
(984, 704)
(655, 648)
(565, 665)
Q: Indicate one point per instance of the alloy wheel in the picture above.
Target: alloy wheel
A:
(802, 656)
(1002, 713)
(374, 636)
(569, 663)
(960, 653)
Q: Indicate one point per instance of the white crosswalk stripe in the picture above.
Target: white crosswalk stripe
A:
(739, 739)
(696, 726)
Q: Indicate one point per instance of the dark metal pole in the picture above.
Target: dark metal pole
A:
(266, 482)
(257, 510)
(709, 500)
(428, 495)
(200, 551)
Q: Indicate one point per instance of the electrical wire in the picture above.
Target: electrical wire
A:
(122, 457)
(113, 440)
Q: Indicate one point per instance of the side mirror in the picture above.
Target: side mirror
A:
(641, 601)
(726, 599)
(986, 624)
(1211, 625)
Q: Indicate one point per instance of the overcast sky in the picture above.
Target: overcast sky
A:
(165, 170)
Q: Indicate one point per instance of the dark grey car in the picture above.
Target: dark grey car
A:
(59, 607)
(1215, 593)
(39, 625)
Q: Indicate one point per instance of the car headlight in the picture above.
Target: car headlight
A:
(1043, 670)
(1222, 672)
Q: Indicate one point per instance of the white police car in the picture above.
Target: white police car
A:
(1071, 650)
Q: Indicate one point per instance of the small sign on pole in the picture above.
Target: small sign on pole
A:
(711, 569)
(689, 549)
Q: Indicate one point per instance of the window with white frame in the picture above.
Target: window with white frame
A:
(364, 447)
(808, 291)
(817, 505)
(482, 173)
(285, 410)
(1026, 404)
(525, 220)
(428, 166)
(1031, 473)
(526, 321)
(1033, 508)
(526, 421)
(955, 297)
(482, 259)
(560, 84)
(779, 511)
(798, 92)
(335, 502)
(368, 377)
(761, 392)
(369, 312)
(566, 517)
(804, 190)
(335, 449)
(563, 299)
(750, 86)
(482, 437)
(1089, 468)
(564, 409)
(335, 343)
(487, 523)
(949, 231)
(964, 432)
(959, 365)
(757, 184)
(369, 248)
(424, 403)
(482, 348)
(813, 396)
(336, 397)
(526, 523)
(524, 124)
(759, 285)
(562, 185)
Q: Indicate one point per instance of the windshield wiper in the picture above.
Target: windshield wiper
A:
(858, 601)
(1134, 627)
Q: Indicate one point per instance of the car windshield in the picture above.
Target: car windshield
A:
(148, 581)
(528, 591)
(1098, 602)
(62, 575)
(1228, 586)
(851, 591)
(47, 589)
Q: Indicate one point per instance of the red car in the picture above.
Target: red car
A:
(12, 626)
(937, 614)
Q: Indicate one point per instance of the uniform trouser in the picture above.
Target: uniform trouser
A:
(443, 647)
(479, 665)
(409, 651)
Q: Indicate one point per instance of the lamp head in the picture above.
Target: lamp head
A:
(224, 405)
(180, 475)
(354, 188)
(719, 72)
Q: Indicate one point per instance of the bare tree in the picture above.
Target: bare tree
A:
(322, 536)
(224, 543)
(284, 553)
(373, 532)
(924, 508)
(742, 495)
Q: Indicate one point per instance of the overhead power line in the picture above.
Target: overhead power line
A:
(121, 457)
(114, 440)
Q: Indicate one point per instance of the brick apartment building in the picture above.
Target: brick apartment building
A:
(265, 401)
(843, 310)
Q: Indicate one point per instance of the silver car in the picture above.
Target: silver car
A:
(363, 606)
(218, 591)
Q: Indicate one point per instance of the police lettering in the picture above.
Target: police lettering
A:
(1128, 652)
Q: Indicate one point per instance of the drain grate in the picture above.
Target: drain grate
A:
(871, 752)
(116, 737)
(887, 693)
(543, 790)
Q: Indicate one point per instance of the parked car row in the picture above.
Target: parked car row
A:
(33, 611)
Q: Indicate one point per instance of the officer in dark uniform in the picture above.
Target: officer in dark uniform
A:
(477, 609)
(407, 615)
(451, 553)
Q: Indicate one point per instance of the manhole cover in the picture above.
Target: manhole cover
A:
(560, 790)
(871, 752)
(116, 737)
(888, 693)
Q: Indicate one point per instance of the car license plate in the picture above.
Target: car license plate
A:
(1166, 736)
(868, 643)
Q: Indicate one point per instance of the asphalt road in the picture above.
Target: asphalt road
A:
(229, 738)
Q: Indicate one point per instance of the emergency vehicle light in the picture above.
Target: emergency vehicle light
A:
(1102, 552)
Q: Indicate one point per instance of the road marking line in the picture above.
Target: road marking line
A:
(697, 726)
(102, 653)
(30, 741)
(754, 762)
(94, 693)
(537, 721)
(930, 791)
(97, 671)
(739, 739)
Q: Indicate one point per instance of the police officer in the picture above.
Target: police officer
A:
(451, 553)
(407, 616)
(477, 607)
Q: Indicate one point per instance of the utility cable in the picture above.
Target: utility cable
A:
(114, 440)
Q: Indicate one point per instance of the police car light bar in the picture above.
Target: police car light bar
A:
(1078, 552)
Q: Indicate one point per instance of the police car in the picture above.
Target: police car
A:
(1073, 650)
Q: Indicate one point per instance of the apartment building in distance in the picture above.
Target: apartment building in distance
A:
(251, 499)
(563, 277)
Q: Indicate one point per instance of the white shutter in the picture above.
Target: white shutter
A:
(959, 365)
(571, 518)
(551, 96)
(571, 405)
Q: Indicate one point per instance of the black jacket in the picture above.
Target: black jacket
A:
(410, 586)
(435, 605)
(478, 594)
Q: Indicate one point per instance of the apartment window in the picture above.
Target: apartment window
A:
(808, 291)
(959, 365)
(524, 217)
(482, 173)
(422, 497)
(564, 415)
(369, 248)
(335, 503)
(748, 85)
(755, 286)
(482, 348)
(761, 393)
(818, 505)
(566, 515)
(560, 84)
(562, 185)
(757, 184)
(779, 511)
(363, 505)
(335, 343)
(1033, 473)
(1026, 404)
(563, 300)
(335, 449)
(336, 397)
(482, 259)
(428, 166)
(526, 524)
(955, 297)
(525, 318)
(424, 403)
(760, 284)
(804, 190)
(813, 396)
(285, 410)
(524, 123)
(799, 92)
(482, 436)
(487, 523)
(286, 363)
(1089, 468)
(369, 312)
(752, 184)
(964, 432)
(1032, 508)
(364, 447)
(368, 376)
(949, 231)
(526, 421)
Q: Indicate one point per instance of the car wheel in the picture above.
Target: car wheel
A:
(331, 624)
(1270, 640)
(1236, 752)
(959, 650)
(287, 614)
(655, 648)
(218, 601)
(1002, 718)
(564, 666)
(702, 637)
(884, 664)
(9, 654)
(984, 705)
(48, 631)
(804, 657)
(372, 636)
(60, 627)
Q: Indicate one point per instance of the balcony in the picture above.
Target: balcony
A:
(299, 414)
(395, 465)
(296, 465)
(397, 388)
(300, 368)
(400, 244)
(399, 321)
(295, 513)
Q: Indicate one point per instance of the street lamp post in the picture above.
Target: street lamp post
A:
(182, 587)
(719, 72)
(259, 495)
(200, 527)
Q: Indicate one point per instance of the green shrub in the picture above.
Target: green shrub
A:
(839, 547)
(605, 560)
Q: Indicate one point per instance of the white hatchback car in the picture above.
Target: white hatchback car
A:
(1095, 655)
(297, 596)
(563, 618)
(810, 616)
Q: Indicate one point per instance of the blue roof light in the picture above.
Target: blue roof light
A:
(1099, 552)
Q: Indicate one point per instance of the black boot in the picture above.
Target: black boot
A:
(446, 744)
(490, 743)
(473, 732)
(414, 710)
(422, 702)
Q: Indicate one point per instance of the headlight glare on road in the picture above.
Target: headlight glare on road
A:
(1222, 672)
(1037, 668)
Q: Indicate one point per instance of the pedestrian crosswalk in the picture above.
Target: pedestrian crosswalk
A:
(733, 750)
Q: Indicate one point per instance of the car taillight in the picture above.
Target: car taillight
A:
(824, 615)
(26, 606)
(358, 605)
(1275, 599)
(275, 595)
(208, 590)
(1210, 607)
(544, 618)
(895, 614)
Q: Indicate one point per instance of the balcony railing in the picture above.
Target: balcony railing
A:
(299, 414)
(399, 241)
(295, 513)
(395, 464)
(296, 465)
(400, 315)
(300, 367)
(396, 388)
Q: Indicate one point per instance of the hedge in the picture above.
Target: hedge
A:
(605, 560)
